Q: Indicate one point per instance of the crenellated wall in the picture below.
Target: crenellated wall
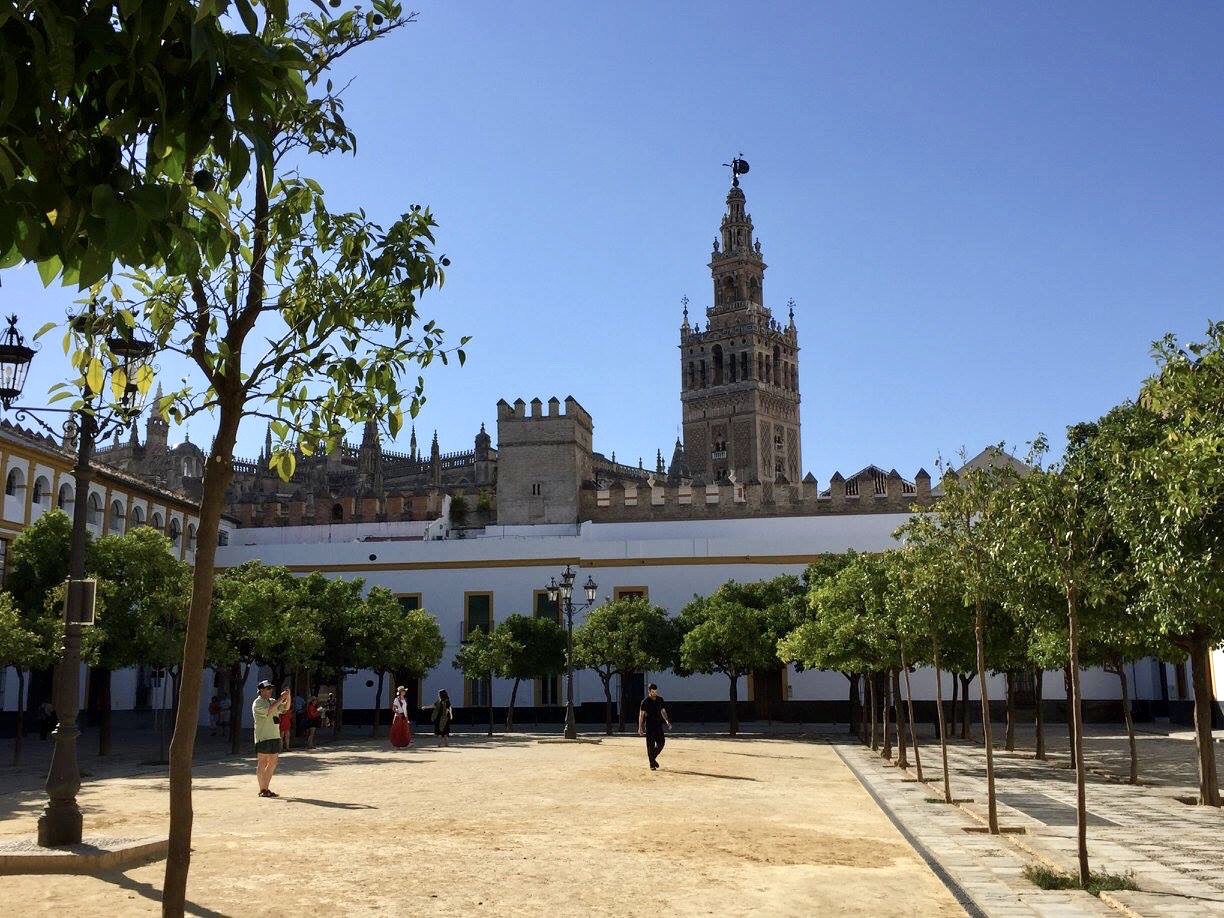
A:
(868, 492)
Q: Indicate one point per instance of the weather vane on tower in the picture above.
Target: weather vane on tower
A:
(738, 167)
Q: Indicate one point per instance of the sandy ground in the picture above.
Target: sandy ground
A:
(510, 826)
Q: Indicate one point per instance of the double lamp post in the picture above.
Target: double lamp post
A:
(564, 593)
(60, 822)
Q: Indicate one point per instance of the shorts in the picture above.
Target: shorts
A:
(269, 746)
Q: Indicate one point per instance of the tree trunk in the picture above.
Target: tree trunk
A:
(965, 680)
(871, 686)
(377, 703)
(909, 707)
(1204, 702)
(607, 687)
(1067, 692)
(1077, 728)
(943, 728)
(734, 716)
(1130, 723)
(338, 712)
(955, 682)
(886, 698)
(1039, 714)
(1009, 734)
(19, 737)
(217, 473)
(620, 704)
(510, 706)
(238, 678)
(862, 711)
(490, 704)
(900, 718)
(850, 722)
(979, 638)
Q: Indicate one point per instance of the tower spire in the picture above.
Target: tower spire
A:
(739, 373)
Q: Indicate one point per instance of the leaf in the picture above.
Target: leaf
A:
(94, 376)
(46, 327)
(144, 379)
(50, 268)
(119, 383)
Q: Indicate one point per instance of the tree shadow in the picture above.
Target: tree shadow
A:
(706, 774)
(331, 804)
(149, 891)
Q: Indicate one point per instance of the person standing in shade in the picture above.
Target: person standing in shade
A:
(313, 720)
(443, 713)
(652, 718)
(46, 719)
(265, 710)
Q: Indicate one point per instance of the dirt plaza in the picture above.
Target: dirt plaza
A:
(507, 826)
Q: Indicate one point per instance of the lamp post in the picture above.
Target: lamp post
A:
(564, 592)
(60, 822)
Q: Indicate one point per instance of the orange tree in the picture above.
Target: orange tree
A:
(286, 310)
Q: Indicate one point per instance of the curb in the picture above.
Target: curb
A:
(958, 892)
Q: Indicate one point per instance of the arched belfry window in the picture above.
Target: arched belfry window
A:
(692, 377)
(745, 370)
(731, 366)
(703, 374)
(718, 364)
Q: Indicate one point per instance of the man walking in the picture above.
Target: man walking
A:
(652, 718)
(264, 712)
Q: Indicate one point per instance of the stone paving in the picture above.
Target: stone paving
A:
(1174, 851)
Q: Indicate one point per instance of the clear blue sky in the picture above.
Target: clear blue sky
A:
(985, 212)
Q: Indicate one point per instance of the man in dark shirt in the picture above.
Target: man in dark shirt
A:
(652, 717)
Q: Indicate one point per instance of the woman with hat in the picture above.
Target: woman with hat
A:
(401, 726)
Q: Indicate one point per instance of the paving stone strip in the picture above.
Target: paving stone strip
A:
(980, 868)
(1172, 850)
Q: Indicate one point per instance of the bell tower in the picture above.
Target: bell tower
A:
(739, 376)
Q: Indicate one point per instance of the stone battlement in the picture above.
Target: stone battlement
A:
(518, 411)
(870, 491)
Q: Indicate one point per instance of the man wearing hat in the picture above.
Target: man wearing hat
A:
(264, 712)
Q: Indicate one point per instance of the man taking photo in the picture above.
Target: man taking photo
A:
(265, 712)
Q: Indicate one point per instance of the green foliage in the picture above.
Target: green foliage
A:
(723, 636)
(626, 636)
(1163, 462)
(459, 511)
(27, 643)
(480, 656)
(344, 289)
(124, 117)
(333, 609)
(259, 617)
(843, 628)
(398, 640)
(1046, 878)
(146, 590)
(38, 562)
(531, 647)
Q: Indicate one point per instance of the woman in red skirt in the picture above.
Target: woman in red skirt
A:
(401, 723)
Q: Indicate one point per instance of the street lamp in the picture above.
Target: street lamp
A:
(563, 592)
(60, 822)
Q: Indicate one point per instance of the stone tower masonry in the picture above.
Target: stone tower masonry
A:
(739, 390)
(543, 461)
